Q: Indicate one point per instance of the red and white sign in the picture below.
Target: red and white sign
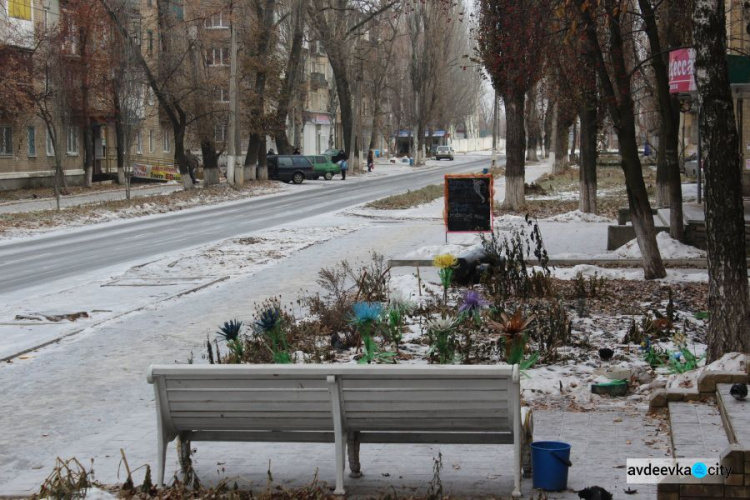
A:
(682, 71)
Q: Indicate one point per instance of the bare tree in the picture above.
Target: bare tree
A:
(725, 225)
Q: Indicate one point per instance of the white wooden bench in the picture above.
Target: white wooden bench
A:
(341, 404)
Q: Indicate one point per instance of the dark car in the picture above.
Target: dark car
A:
(322, 166)
(294, 168)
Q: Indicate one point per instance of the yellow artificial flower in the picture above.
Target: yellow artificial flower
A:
(445, 261)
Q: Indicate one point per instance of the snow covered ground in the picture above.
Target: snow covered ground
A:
(87, 396)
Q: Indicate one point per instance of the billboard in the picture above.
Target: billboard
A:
(682, 71)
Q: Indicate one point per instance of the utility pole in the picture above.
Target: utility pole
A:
(235, 173)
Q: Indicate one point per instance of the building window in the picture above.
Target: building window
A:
(20, 9)
(222, 94)
(150, 35)
(72, 141)
(220, 133)
(50, 147)
(6, 140)
(31, 141)
(218, 57)
(151, 141)
(139, 143)
(167, 147)
(218, 21)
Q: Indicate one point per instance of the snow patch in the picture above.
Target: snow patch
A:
(578, 216)
(668, 248)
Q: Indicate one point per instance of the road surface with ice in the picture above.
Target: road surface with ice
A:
(39, 260)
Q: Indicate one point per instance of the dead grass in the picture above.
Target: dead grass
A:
(409, 199)
(102, 211)
(418, 197)
(11, 195)
(610, 181)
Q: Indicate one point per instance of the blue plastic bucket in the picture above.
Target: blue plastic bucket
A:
(377, 153)
(550, 461)
(411, 161)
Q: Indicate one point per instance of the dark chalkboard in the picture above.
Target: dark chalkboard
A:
(468, 203)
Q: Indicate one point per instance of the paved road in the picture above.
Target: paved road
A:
(44, 259)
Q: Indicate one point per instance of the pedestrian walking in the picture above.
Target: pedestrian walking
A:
(296, 151)
(370, 161)
(192, 163)
(344, 168)
(271, 152)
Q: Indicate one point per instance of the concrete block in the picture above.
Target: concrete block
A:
(739, 378)
(707, 382)
(701, 490)
(737, 492)
(735, 480)
(675, 396)
(668, 488)
(733, 457)
(617, 236)
(658, 399)
(667, 496)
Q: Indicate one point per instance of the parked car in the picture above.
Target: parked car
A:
(335, 155)
(323, 166)
(444, 152)
(294, 168)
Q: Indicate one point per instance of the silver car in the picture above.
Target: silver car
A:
(444, 152)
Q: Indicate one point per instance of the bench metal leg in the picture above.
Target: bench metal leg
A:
(517, 437)
(161, 456)
(528, 438)
(339, 434)
(352, 443)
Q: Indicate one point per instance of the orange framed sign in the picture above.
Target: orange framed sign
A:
(468, 203)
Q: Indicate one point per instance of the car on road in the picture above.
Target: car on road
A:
(289, 168)
(323, 167)
(444, 152)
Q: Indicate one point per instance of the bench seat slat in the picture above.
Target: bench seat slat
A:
(263, 383)
(258, 424)
(199, 413)
(248, 396)
(263, 436)
(250, 406)
(416, 425)
(437, 438)
(424, 384)
(432, 406)
(418, 395)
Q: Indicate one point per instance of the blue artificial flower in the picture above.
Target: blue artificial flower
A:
(230, 330)
(366, 312)
(268, 319)
(472, 301)
(677, 355)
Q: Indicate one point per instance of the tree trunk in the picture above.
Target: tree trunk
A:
(262, 172)
(533, 126)
(622, 112)
(587, 163)
(562, 137)
(210, 163)
(549, 124)
(516, 143)
(88, 152)
(283, 146)
(575, 139)
(725, 225)
(120, 147)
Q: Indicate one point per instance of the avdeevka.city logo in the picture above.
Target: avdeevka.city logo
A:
(699, 470)
(675, 470)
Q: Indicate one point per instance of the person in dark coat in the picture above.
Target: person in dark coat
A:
(271, 152)
(370, 161)
(344, 166)
(296, 151)
(192, 163)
